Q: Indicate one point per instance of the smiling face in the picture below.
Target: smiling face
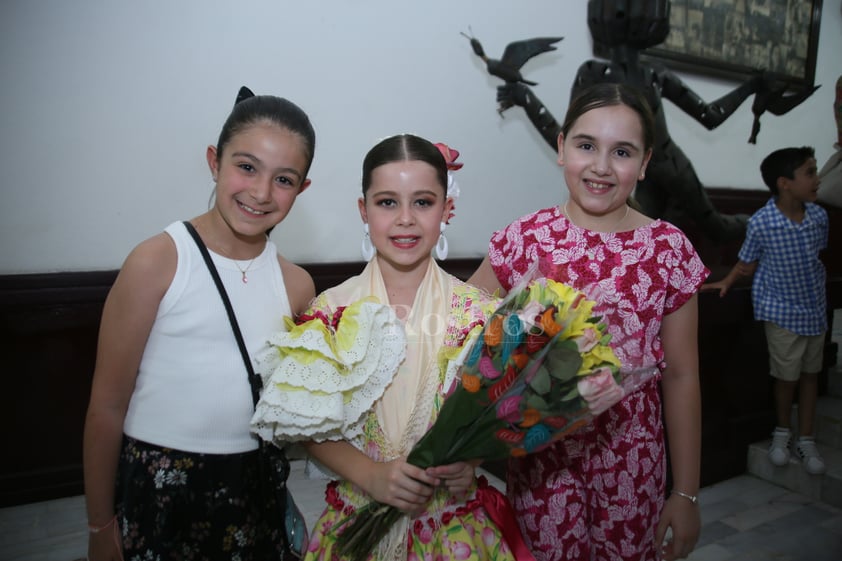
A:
(603, 156)
(258, 175)
(403, 207)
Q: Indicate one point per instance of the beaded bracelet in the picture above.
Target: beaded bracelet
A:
(97, 529)
(692, 498)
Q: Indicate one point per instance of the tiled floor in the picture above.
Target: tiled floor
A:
(744, 519)
(749, 519)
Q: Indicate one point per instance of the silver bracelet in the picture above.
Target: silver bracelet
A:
(692, 498)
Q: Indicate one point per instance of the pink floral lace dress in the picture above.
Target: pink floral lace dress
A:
(598, 493)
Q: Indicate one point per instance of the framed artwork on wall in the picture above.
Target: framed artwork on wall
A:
(734, 38)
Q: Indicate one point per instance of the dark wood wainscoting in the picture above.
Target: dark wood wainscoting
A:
(49, 324)
(48, 331)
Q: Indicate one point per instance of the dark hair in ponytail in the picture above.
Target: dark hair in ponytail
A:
(250, 109)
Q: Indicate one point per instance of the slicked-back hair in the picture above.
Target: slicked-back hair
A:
(268, 108)
(403, 148)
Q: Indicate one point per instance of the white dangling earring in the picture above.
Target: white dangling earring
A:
(441, 245)
(367, 249)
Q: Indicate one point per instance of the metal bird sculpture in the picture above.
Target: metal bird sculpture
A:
(515, 56)
(772, 99)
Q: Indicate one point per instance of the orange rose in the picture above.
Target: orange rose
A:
(548, 323)
(471, 383)
(494, 331)
(530, 417)
(519, 360)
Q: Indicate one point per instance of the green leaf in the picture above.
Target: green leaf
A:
(572, 394)
(564, 362)
(459, 433)
(541, 382)
(537, 402)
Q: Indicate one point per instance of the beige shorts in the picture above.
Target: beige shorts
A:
(791, 354)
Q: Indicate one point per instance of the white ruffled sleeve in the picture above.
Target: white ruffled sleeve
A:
(319, 380)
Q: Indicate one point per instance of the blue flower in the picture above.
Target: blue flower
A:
(512, 337)
(535, 437)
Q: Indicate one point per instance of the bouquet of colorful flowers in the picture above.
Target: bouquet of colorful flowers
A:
(540, 368)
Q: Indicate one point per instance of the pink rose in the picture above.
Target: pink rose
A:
(600, 390)
(587, 340)
(529, 314)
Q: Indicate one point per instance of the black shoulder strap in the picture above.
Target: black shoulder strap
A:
(254, 380)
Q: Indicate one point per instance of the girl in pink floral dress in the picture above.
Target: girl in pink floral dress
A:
(600, 493)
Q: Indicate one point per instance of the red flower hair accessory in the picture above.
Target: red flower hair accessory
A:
(450, 157)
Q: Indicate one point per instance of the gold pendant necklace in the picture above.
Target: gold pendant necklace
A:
(612, 230)
(244, 271)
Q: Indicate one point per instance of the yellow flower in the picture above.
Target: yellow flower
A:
(561, 292)
(580, 319)
(571, 303)
(598, 356)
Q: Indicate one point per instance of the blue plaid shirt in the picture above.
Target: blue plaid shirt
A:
(789, 283)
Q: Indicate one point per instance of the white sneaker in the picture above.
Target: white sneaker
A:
(810, 457)
(779, 448)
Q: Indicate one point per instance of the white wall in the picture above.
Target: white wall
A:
(108, 106)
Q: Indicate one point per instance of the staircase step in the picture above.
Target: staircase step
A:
(828, 421)
(826, 488)
(828, 424)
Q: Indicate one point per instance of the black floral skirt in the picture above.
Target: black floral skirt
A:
(175, 505)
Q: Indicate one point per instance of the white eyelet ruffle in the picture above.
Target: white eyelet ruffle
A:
(318, 383)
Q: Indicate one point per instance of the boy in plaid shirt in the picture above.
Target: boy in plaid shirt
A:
(781, 250)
